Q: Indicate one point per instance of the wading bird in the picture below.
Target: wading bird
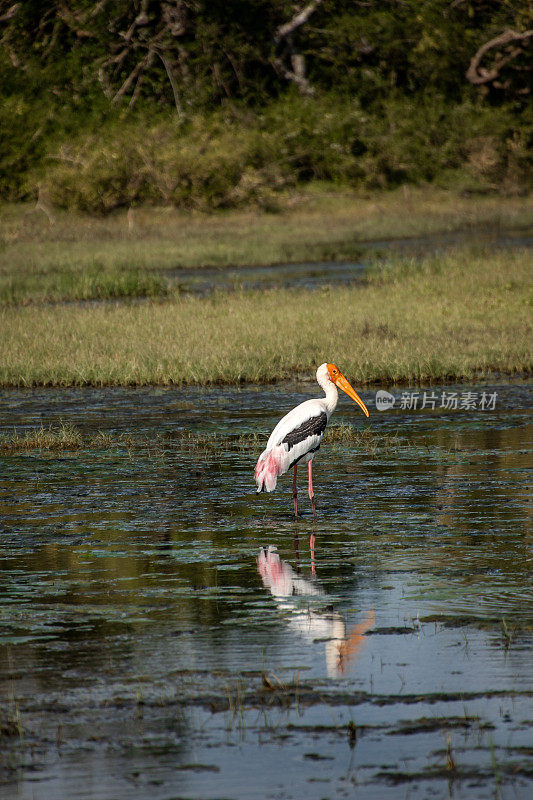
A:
(296, 438)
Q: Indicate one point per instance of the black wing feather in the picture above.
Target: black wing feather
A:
(311, 427)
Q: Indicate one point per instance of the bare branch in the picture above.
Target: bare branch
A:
(132, 77)
(97, 8)
(103, 78)
(296, 22)
(10, 13)
(53, 38)
(71, 21)
(104, 82)
(219, 79)
(477, 74)
(140, 20)
(43, 205)
(137, 90)
(175, 18)
(173, 83)
(13, 57)
(236, 70)
(296, 74)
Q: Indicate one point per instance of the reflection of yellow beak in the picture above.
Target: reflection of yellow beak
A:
(343, 384)
(354, 641)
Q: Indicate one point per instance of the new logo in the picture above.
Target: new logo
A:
(384, 400)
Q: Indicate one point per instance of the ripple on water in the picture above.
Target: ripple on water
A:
(141, 643)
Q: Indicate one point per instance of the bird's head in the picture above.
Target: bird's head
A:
(332, 373)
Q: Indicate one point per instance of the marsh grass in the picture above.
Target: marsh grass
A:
(364, 439)
(128, 254)
(451, 765)
(66, 436)
(459, 316)
(92, 283)
(508, 634)
(11, 723)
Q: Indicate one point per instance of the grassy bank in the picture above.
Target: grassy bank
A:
(456, 316)
(79, 257)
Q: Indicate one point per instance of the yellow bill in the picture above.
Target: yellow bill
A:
(343, 384)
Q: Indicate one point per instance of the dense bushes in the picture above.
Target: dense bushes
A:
(212, 104)
(226, 159)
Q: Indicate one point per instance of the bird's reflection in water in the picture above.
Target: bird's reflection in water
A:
(320, 622)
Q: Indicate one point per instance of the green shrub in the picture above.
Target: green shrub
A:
(204, 164)
(237, 156)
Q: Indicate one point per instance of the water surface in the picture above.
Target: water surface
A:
(164, 632)
(314, 275)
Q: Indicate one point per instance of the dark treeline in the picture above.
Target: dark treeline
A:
(216, 102)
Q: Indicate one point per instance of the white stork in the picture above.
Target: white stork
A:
(297, 437)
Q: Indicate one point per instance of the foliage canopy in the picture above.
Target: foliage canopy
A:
(75, 73)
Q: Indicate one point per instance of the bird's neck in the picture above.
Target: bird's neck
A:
(332, 395)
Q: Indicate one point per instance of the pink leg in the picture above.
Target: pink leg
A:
(312, 499)
(311, 492)
(295, 492)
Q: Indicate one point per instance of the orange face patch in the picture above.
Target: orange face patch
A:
(334, 372)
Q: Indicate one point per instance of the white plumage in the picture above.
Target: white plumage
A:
(297, 437)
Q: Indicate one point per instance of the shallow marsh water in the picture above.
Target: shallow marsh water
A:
(153, 642)
(314, 275)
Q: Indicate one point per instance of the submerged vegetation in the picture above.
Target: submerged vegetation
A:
(365, 439)
(64, 436)
(67, 437)
(460, 315)
(10, 723)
